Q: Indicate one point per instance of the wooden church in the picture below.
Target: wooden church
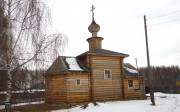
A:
(95, 75)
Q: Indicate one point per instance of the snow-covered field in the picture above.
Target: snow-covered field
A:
(164, 103)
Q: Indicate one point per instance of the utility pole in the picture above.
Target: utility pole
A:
(148, 62)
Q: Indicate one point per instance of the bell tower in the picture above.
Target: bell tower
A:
(94, 41)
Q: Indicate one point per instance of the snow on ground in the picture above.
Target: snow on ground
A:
(164, 103)
(2, 106)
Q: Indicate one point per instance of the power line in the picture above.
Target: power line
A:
(164, 14)
(164, 22)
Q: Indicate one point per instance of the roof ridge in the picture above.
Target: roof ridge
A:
(103, 52)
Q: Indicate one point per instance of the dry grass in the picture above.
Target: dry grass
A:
(38, 108)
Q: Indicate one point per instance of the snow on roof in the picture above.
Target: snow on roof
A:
(73, 65)
(130, 70)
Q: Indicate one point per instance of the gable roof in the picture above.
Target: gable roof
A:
(103, 52)
(129, 70)
(61, 65)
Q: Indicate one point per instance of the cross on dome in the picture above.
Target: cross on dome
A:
(93, 12)
(93, 27)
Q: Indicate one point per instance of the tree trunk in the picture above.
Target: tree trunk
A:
(9, 55)
(9, 87)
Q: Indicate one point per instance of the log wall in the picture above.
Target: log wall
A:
(132, 92)
(85, 60)
(62, 88)
(78, 93)
(55, 88)
(106, 89)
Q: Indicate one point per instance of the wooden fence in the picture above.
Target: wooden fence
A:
(165, 89)
(23, 97)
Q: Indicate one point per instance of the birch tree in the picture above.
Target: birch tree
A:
(2, 37)
(27, 39)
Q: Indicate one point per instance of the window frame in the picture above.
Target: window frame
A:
(110, 74)
(77, 82)
(130, 83)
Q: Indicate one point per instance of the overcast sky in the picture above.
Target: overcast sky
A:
(122, 27)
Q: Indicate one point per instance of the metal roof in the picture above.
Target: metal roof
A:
(103, 52)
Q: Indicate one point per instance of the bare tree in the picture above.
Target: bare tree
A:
(20, 80)
(2, 37)
(27, 42)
